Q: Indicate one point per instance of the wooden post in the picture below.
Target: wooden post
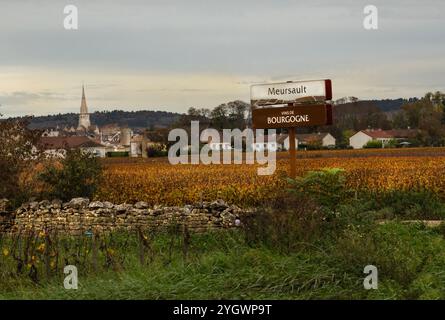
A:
(94, 248)
(292, 153)
(141, 247)
(47, 254)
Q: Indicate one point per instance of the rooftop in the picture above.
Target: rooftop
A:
(67, 142)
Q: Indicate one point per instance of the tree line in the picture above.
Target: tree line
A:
(426, 115)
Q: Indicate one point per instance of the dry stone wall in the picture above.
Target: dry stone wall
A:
(6, 217)
(80, 215)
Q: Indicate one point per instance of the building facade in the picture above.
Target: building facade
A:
(361, 138)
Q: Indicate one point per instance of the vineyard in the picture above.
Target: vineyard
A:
(291, 248)
(158, 182)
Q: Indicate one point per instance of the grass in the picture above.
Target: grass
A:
(312, 244)
(409, 258)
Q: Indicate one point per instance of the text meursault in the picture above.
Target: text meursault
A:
(282, 91)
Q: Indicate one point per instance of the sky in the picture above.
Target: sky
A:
(174, 54)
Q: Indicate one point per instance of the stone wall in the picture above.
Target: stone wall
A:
(80, 215)
(6, 217)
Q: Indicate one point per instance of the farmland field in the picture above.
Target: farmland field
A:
(156, 181)
(313, 244)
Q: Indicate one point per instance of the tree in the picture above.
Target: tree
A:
(198, 112)
(159, 136)
(229, 115)
(413, 111)
(193, 114)
(399, 121)
(18, 157)
(237, 114)
(345, 135)
(427, 114)
(220, 116)
(76, 175)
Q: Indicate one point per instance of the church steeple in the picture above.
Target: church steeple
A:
(84, 117)
(83, 104)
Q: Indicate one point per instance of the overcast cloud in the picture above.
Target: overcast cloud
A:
(171, 55)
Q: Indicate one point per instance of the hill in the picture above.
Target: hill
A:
(385, 105)
(344, 107)
(132, 119)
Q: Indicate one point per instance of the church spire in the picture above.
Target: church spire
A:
(84, 117)
(83, 104)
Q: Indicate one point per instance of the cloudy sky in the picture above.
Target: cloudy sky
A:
(175, 54)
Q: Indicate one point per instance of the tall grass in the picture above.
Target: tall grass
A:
(299, 247)
(228, 265)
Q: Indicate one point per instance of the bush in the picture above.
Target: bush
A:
(373, 144)
(406, 204)
(154, 151)
(114, 154)
(286, 225)
(77, 175)
(327, 187)
(404, 255)
(392, 143)
(296, 222)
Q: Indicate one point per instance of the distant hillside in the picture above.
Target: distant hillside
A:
(132, 119)
(388, 105)
(344, 107)
(385, 105)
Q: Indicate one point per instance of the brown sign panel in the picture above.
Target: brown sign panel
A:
(289, 116)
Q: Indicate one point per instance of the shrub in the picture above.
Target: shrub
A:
(373, 144)
(327, 187)
(294, 223)
(286, 225)
(114, 154)
(408, 204)
(156, 151)
(77, 175)
(404, 254)
(18, 157)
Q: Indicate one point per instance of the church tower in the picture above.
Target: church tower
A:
(84, 117)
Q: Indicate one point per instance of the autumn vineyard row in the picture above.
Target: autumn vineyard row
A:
(158, 182)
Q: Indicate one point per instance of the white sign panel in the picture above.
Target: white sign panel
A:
(290, 92)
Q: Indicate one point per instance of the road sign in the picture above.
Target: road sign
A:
(290, 92)
(306, 106)
(289, 116)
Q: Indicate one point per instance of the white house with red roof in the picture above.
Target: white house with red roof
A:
(57, 146)
(361, 138)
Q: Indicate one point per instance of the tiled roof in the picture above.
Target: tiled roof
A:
(390, 134)
(67, 142)
(311, 136)
(303, 137)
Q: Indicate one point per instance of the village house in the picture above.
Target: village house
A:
(321, 139)
(283, 142)
(110, 133)
(51, 132)
(57, 146)
(140, 145)
(269, 143)
(361, 138)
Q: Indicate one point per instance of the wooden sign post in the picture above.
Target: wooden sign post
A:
(306, 106)
(292, 152)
